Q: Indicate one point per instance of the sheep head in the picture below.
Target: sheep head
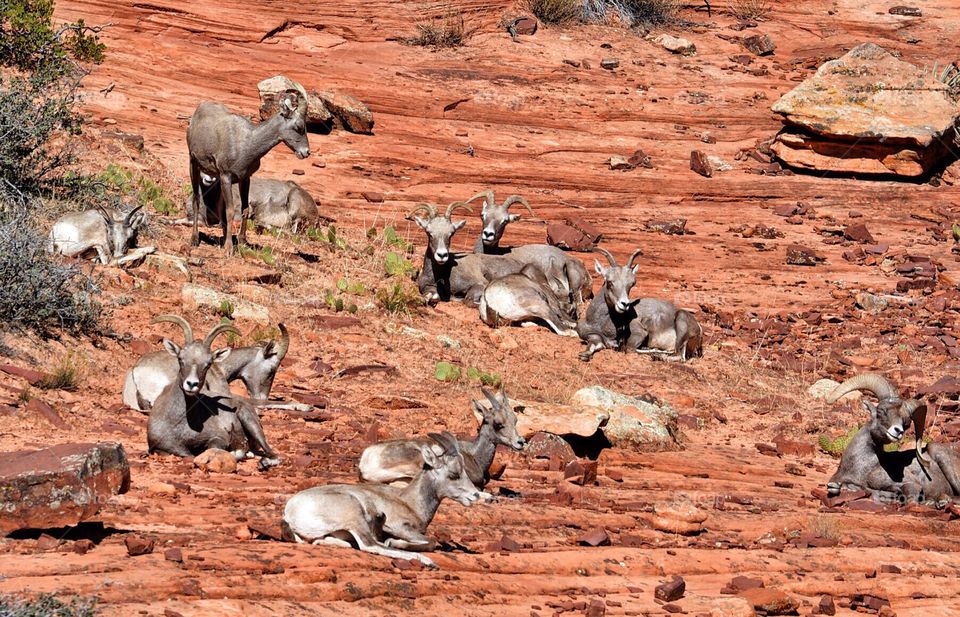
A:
(194, 357)
(439, 229)
(495, 218)
(617, 280)
(293, 128)
(501, 418)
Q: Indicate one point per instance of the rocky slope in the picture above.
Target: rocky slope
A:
(518, 118)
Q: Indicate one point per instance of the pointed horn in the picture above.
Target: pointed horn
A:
(283, 345)
(180, 321)
(457, 205)
(430, 209)
(872, 382)
(636, 253)
(607, 254)
(217, 331)
(443, 439)
(487, 197)
(126, 219)
(104, 212)
(918, 413)
(490, 397)
(516, 199)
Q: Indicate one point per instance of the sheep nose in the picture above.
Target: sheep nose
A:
(521, 442)
(487, 235)
(623, 306)
(191, 385)
(442, 255)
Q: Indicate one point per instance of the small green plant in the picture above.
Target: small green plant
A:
(117, 177)
(950, 76)
(395, 264)
(264, 334)
(486, 379)
(152, 195)
(835, 446)
(225, 309)
(65, 374)
(556, 11)
(46, 605)
(402, 297)
(444, 371)
(356, 289)
(264, 254)
(392, 238)
(328, 236)
(446, 31)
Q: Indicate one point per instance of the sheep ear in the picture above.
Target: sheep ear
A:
(221, 354)
(635, 269)
(869, 408)
(287, 107)
(172, 348)
(513, 218)
(430, 458)
(268, 349)
(599, 268)
(459, 224)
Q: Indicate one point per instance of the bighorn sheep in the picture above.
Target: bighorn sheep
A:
(400, 460)
(197, 412)
(556, 264)
(256, 366)
(229, 147)
(379, 519)
(447, 275)
(526, 297)
(614, 321)
(277, 204)
(916, 475)
(79, 233)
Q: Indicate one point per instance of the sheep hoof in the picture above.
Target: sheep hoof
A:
(266, 463)
(585, 356)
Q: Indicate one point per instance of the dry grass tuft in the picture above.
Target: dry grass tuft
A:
(750, 9)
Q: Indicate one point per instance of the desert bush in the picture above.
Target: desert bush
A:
(635, 12)
(46, 605)
(400, 297)
(750, 9)
(949, 75)
(446, 31)
(65, 374)
(37, 291)
(556, 11)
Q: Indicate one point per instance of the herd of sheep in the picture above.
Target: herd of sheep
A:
(185, 388)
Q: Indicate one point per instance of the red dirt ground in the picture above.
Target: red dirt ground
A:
(545, 129)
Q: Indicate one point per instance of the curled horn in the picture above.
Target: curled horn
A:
(607, 254)
(180, 321)
(105, 213)
(301, 94)
(457, 205)
(217, 331)
(918, 413)
(283, 345)
(487, 197)
(129, 216)
(430, 209)
(636, 253)
(516, 199)
(447, 441)
(872, 382)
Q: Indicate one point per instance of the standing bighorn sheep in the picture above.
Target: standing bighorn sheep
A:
(614, 321)
(197, 412)
(556, 264)
(447, 275)
(527, 297)
(256, 366)
(79, 233)
(916, 476)
(277, 204)
(229, 147)
(380, 519)
(400, 460)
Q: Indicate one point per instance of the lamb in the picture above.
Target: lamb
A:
(79, 233)
(916, 476)
(197, 412)
(527, 297)
(556, 264)
(276, 204)
(446, 275)
(229, 147)
(400, 460)
(379, 519)
(614, 321)
(256, 366)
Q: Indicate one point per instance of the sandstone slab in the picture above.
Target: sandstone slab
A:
(633, 423)
(59, 486)
(194, 296)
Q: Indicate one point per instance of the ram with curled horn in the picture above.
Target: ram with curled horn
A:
(928, 475)
(645, 325)
(228, 148)
(197, 411)
(567, 275)
(99, 232)
(447, 275)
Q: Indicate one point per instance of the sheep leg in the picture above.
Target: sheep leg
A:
(244, 209)
(594, 344)
(103, 254)
(408, 539)
(226, 213)
(473, 295)
(368, 543)
(196, 187)
(949, 464)
(250, 422)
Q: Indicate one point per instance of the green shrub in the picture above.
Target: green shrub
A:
(395, 264)
(37, 291)
(444, 371)
(29, 43)
(46, 605)
(65, 374)
(402, 297)
(486, 379)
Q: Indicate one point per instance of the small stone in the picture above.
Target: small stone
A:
(574, 63)
(620, 163)
(609, 63)
(509, 544)
(671, 591)
(676, 45)
(597, 608)
(525, 26)
(700, 163)
(826, 606)
(640, 159)
(679, 518)
(82, 547)
(871, 303)
(741, 583)
(215, 460)
(889, 569)
(549, 446)
(801, 256)
(858, 233)
(770, 601)
(46, 542)
(906, 11)
(138, 545)
(173, 554)
(594, 537)
(372, 197)
(760, 44)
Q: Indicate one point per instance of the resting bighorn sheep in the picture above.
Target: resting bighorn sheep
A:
(256, 366)
(197, 412)
(527, 297)
(229, 147)
(556, 264)
(447, 275)
(614, 321)
(915, 475)
(278, 204)
(380, 519)
(79, 233)
(400, 460)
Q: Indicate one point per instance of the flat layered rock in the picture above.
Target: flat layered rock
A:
(59, 486)
(634, 423)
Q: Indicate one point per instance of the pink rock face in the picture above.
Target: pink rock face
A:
(59, 486)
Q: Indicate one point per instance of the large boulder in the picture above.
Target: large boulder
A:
(318, 116)
(59, 486)
(350, 113)
(867, 112)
